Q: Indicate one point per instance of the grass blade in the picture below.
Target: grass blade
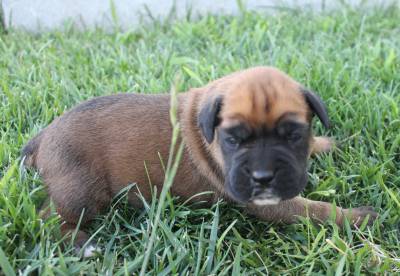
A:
(5, 264)
(213, 240)
(169, 177)
(236, 261)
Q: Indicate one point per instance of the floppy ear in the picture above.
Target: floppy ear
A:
(317, 106)
(208, 118)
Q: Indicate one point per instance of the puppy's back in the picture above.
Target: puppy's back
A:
(102, 123)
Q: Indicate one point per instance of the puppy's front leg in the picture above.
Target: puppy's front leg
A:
(321, 144)
(289, 211)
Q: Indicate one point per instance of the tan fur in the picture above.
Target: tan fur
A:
(321, 144)
(260, 96)
(93, 151)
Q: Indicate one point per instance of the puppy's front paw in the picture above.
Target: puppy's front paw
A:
(356, 216)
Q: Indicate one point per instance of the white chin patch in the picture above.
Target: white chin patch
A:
(266, 201)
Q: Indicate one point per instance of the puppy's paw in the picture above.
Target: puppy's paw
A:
(322, 144)
(356, 216)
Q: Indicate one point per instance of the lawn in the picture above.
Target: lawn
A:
(350, 57)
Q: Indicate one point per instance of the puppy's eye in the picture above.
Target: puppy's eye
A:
(294, 137)
(232, 141)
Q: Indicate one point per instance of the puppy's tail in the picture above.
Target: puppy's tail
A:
(30, 150)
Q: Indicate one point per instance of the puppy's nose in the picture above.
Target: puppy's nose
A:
(262, 177)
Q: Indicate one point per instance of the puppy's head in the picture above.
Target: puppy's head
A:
(261, 120)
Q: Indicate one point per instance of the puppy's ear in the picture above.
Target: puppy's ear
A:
(208, 118)
(317, 106)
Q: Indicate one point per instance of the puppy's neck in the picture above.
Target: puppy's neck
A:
(208, 157)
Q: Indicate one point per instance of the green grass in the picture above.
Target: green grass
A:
(350, 57)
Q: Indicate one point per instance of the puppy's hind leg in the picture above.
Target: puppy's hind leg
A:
(67, 229)
(78, 199)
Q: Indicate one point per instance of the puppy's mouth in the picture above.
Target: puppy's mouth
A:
(266, 197)
(260, 197)
(255, 193)
(263, 197)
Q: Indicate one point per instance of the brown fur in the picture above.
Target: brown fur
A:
(96, 149)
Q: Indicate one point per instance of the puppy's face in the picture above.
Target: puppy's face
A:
(265, 165)
(262, 126)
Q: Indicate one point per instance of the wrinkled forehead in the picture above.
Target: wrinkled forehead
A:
(261, 104)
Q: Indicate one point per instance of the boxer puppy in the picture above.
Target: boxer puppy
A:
(247, 139)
